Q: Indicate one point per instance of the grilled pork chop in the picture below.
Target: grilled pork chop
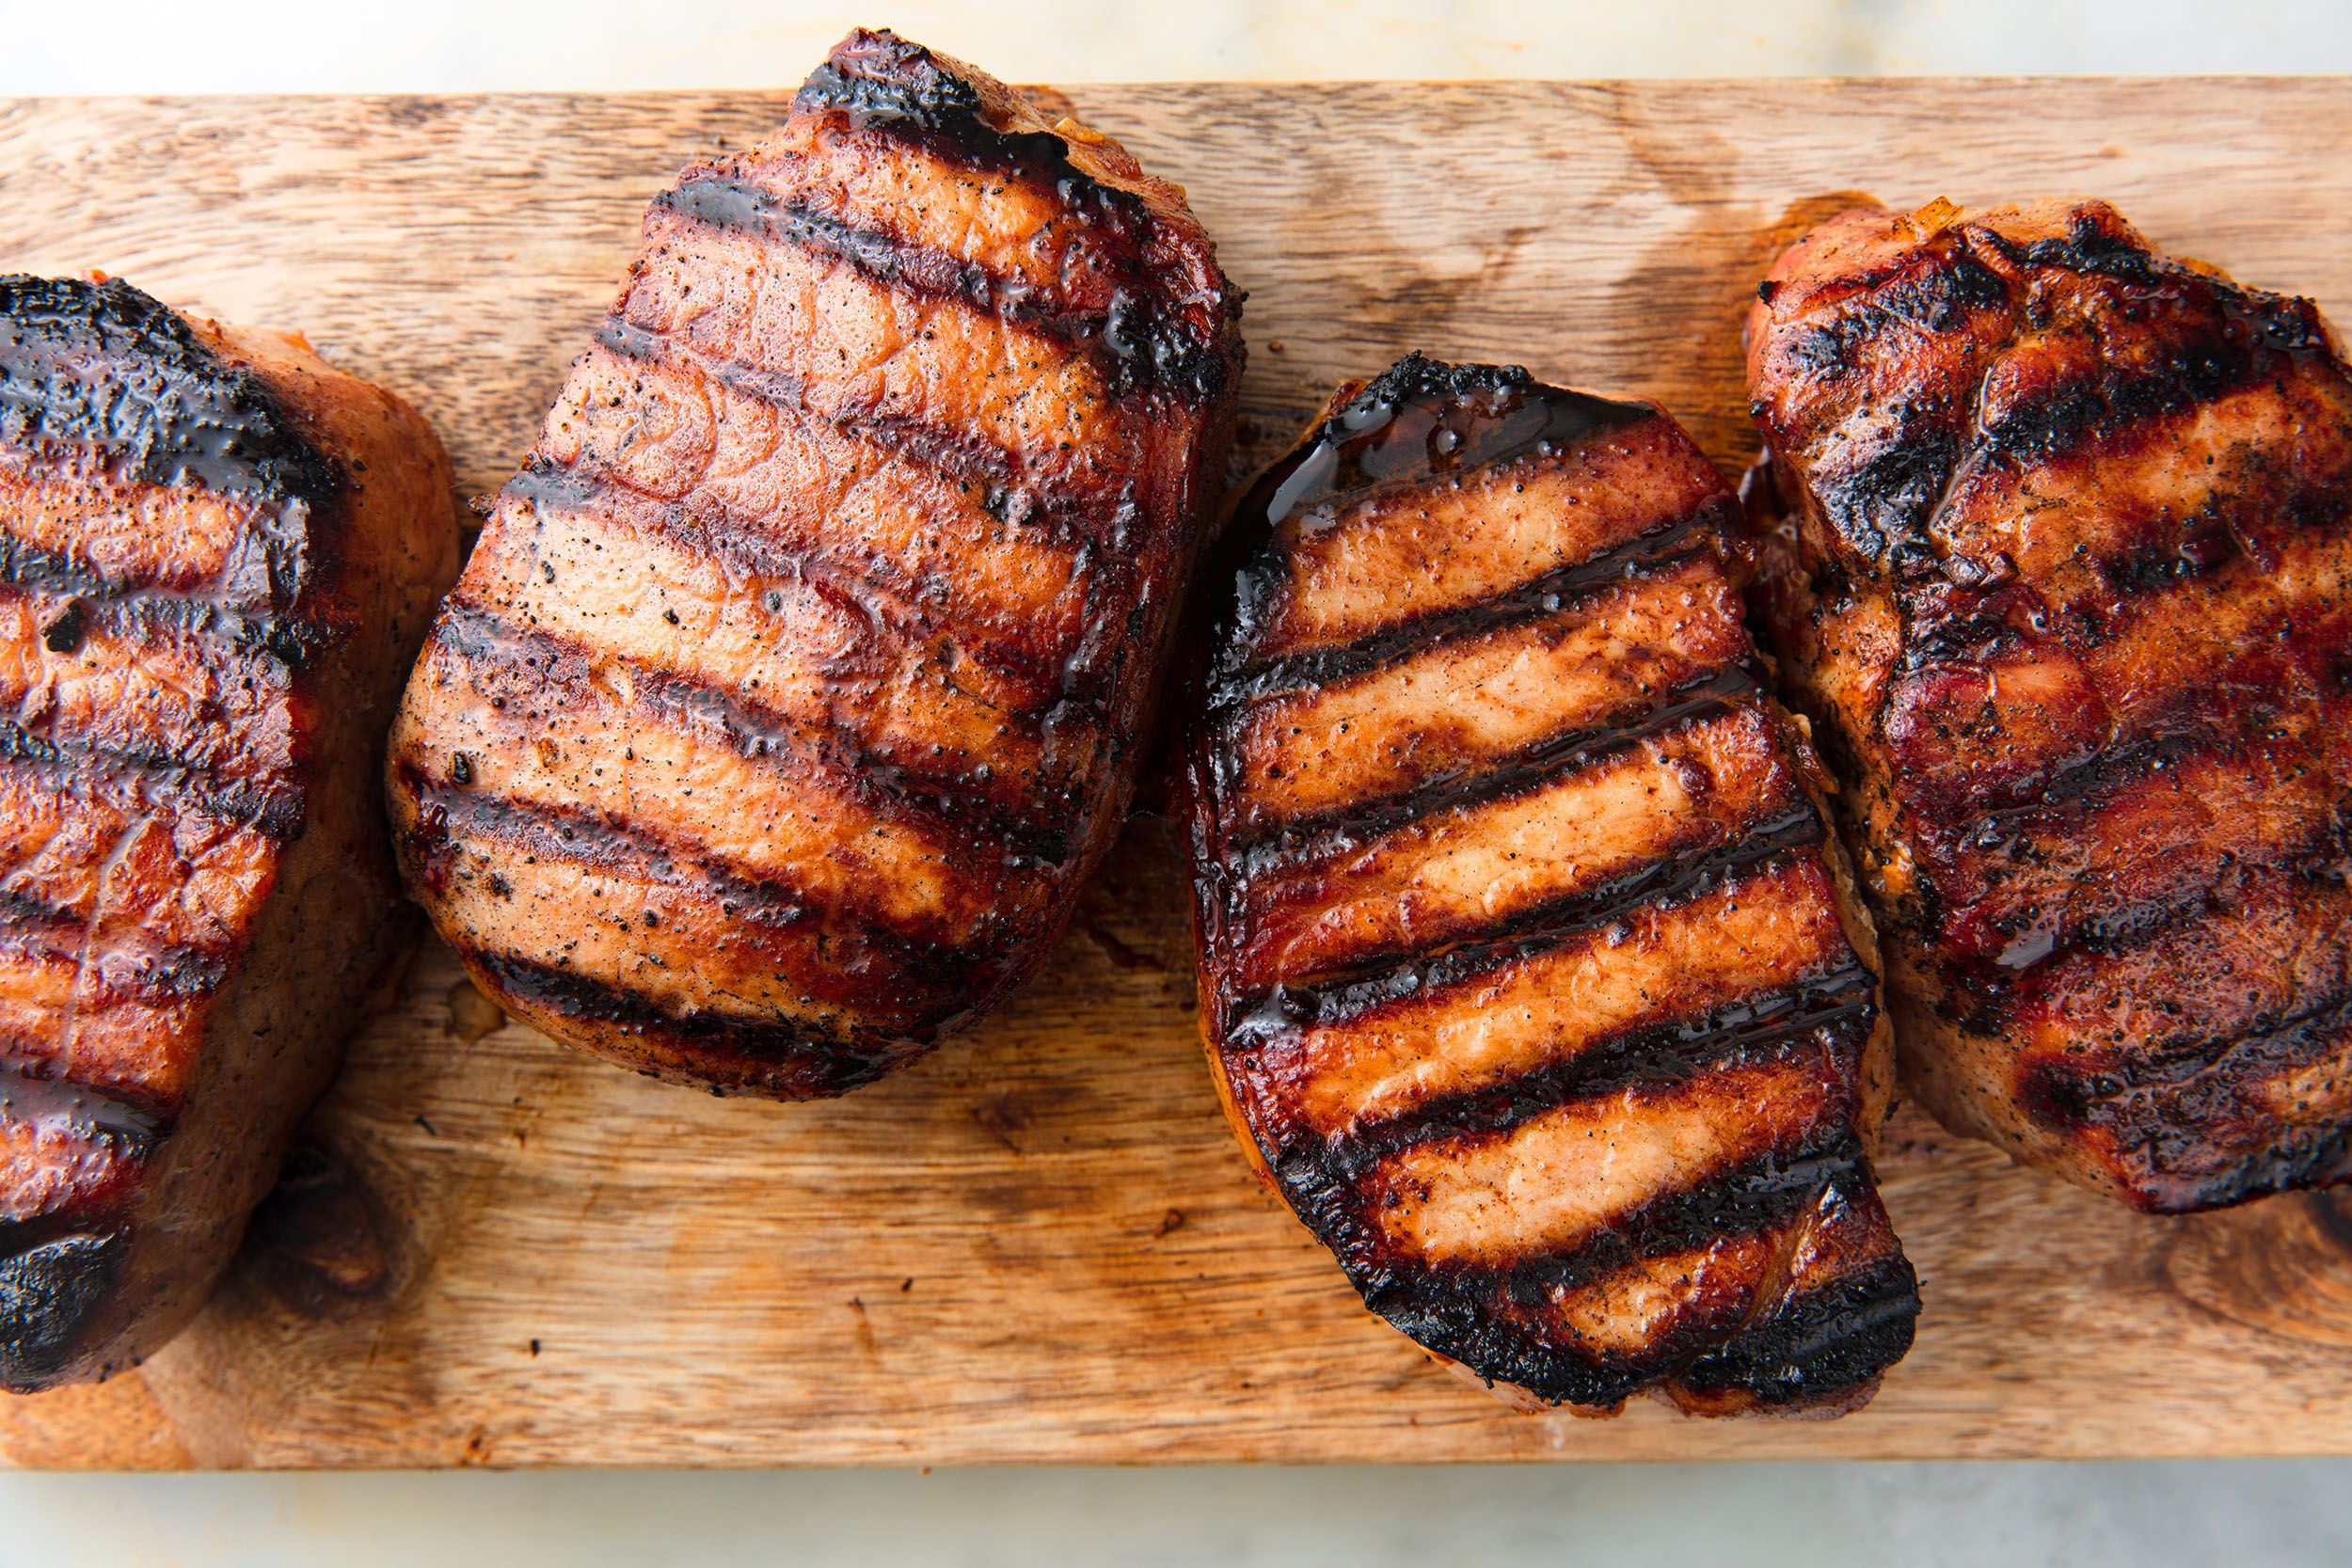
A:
(217, 557)
(1528, 973)
(2065, 590)
(795, 683)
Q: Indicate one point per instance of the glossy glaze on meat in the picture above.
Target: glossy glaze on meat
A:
(2063, 584)
(1526, 969)
(217, 557)
(797, 680)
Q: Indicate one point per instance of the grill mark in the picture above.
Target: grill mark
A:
(1347, 993)
(618, 847)
(702, 527)
(56, 1280)
(1452, 1308)
(1047, 502)
(104, 366)
(881, 82)
(1658, 1054)
(2164, 1152)
(172, 973)
(1547, 762)
(896, 263)
(1648, 555)
(276, 809)
(128, 608)
(833, 1063)
(26, 1095)
(1841, 1336)
(1939, 299)
(944, 807)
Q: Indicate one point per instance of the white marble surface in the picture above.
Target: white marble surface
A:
(1819, 1516)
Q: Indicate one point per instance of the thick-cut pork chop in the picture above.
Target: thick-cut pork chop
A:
(1526, 969)
(216, 557)
(796, 683)
(2064, 587)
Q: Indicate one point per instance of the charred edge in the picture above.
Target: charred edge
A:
(276, 811)
(1765, 850)
(1648, 556)
(2173, 1109)
(1547, 762)
(604, 843)
(703, 526)
(880, 79)
(164, 974)
(1059, 512)
(1477, 1316)
(1820, 1343)
(103, 366)
(54, 1289)
(26, 1095)
(1940, 298)
(923, 801)
(821, 1063)
(1417, 423)
(1133, 339)
(126, 609)
(1839, 1006)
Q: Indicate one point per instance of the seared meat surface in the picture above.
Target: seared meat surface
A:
(1527, 970)
(2063, 584)
(217, 555)
(796, 682)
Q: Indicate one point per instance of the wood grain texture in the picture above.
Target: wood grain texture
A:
(1042, 1244)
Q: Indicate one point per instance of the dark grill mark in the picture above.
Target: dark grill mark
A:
(1841, 1336)
(813, 1061)
(27, 1098)
(1462, 1312)
(102, 367)
(53, 1289)
(1762, 851)
(155, 780)
(919, 962)
(1649, 555)
(128, 610)
(1064, 514)
(1030, 829)
(1839, 1005)
(143, 970)
(1127, 339)
(1546, 762)
(880, 79)
(702, 527)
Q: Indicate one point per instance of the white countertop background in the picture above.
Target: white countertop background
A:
(1759, 1515)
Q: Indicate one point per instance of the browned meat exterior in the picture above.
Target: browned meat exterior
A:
(217, 555)
(1527, 972)
(796, 682)
(2064, 587)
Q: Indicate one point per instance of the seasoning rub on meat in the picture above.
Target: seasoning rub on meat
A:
(797, 681)
(2064, 586)
(217, 555)
(1527, 972)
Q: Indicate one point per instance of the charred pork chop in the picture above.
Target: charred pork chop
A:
(1527, 970)
(796, 683)
(216, 557)
(2064, 587)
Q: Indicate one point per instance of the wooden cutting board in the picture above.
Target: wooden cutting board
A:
(1042, 1244)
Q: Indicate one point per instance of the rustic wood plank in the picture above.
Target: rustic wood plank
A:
(1042, 1244)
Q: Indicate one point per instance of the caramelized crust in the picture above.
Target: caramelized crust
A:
(217, 555)
(797, 680)
(1526, 969)
(2063, 586)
